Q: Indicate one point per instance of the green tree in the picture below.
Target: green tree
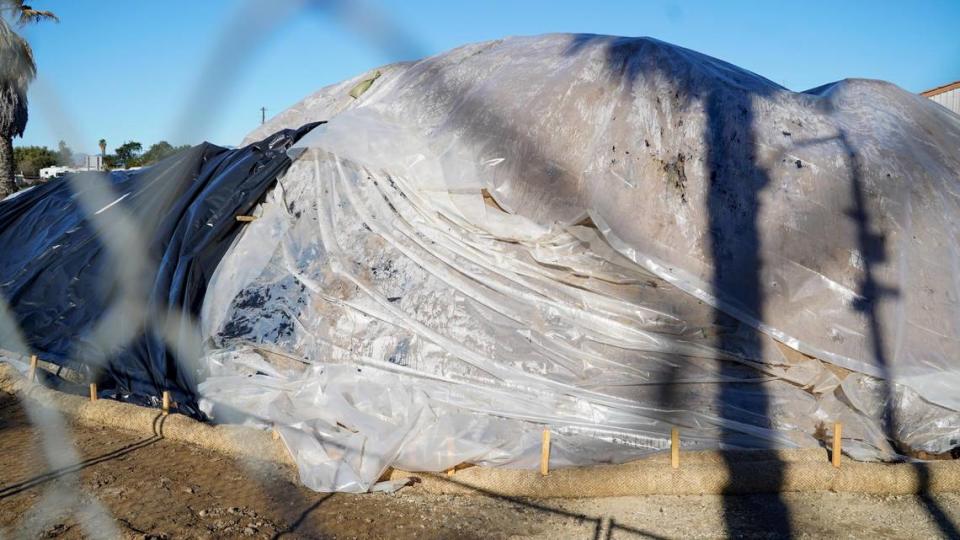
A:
(124, 156)
(30, 159)
(159, 151)
(64, 154)
(17, 70)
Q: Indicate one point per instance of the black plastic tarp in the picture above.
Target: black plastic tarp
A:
(61, 273)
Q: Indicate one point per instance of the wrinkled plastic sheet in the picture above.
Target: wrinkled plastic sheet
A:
(385, 310)
(827, 219)
(63, 276)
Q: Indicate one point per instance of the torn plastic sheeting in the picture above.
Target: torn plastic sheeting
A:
(62, 274)
(847, 186)
(390, 257)
(360, 298)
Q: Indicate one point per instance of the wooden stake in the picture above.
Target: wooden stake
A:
(246, 219)
(450, 450)
(837, 443)
(93, 391)
(166, 402)
(33, 368)
(276, 434)
(675, 448)
(545, 453)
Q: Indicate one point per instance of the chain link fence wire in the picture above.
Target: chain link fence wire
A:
(124, 237)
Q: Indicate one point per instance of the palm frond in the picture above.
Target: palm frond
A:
(18, 66)
(23, 14)
(17, 69)
(29, 15)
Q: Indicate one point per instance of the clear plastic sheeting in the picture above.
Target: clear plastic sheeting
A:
(585, 233)
(103, 273)
(386, 320)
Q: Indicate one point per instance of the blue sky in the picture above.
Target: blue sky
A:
(142, 70)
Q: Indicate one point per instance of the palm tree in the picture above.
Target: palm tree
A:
(103, 153)
(17, 70)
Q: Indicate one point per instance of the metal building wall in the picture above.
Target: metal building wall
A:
(949, 99)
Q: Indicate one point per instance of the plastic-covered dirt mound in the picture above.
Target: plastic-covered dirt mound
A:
(608, 236)
(605, 236)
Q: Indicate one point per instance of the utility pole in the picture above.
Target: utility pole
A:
(263, 115)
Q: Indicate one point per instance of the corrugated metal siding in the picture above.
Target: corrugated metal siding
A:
(949, 99)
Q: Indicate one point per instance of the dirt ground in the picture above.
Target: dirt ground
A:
(154, 488)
